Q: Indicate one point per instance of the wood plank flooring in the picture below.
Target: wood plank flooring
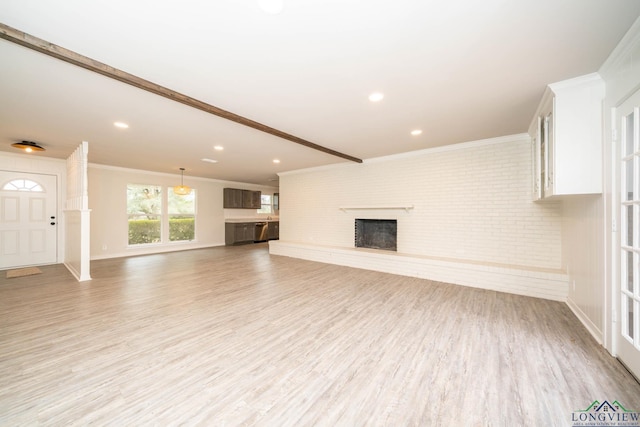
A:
(233, 336)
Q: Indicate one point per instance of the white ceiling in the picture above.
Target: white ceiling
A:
(459, 70)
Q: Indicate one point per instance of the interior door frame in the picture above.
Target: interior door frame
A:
(615, 324)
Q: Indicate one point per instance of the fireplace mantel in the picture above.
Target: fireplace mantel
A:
(407, 208)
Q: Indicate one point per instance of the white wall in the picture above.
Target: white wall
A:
(108, 204)
(583, 248)
(473, 222)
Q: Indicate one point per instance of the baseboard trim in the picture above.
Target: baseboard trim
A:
(539, 283)
(156, 250)
(79, 277)
(584, 319)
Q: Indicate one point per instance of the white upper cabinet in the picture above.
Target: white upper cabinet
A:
(566, 134)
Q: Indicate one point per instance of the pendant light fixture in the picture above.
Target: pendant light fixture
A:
(182, 190)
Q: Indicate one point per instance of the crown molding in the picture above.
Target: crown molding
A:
(520, 137)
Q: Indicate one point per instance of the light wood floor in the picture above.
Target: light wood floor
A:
(234, 336)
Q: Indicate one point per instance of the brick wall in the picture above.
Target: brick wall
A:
(471, 202)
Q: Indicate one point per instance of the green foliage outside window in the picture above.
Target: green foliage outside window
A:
(148, 230)
(182, 210)
(144, 208)
(182, 229)
(144, 231)
(146, 214)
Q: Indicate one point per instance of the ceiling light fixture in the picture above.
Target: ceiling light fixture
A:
(28, 146)
(276, 160)
(121, 125)
(218, 148)
(182, 190)
(272, 7)
(416, 132)
(209, 160)
(376, 97)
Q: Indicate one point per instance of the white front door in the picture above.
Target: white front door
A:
(28, 219)
(628, 330)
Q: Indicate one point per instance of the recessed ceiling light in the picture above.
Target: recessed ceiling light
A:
(218, 148)
(416, 132)
(276, 160)
(376, 97)
(209, 160)
(121, 125)
(272, 7)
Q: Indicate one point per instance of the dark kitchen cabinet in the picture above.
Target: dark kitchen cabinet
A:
(239, 232)
(232, 198)
(251, 199)
(236, 198)
(273, 230)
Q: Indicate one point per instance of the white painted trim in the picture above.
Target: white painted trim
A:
(622, 49)
(406, 208)
(31, 157)
(156, 250)
(332, 166)
(520, 137)
(78, 236)
(539, 283)
(165, 174)
(621, 83)
(584, 319)
(576, 81)
(74, 272)
(85, 237)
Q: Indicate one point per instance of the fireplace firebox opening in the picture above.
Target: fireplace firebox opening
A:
(376, 234)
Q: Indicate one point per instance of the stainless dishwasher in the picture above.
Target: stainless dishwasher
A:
(261, 232)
